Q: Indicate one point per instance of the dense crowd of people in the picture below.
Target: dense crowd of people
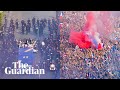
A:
(75, 62)
(48, 48)
(78, 63)
(8, 49)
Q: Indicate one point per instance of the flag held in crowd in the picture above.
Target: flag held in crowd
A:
(88, 36)
(61, 17)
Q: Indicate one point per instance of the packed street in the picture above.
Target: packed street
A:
(24, 29)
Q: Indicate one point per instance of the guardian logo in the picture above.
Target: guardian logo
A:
(20, 68)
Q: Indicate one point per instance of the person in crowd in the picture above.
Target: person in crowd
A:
(27, 29)
(29, 25)
(16, 23)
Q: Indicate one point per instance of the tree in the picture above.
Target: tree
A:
(1, 18)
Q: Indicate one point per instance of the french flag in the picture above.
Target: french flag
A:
(61, 16)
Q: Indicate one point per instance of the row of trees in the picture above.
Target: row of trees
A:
(1, 17)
